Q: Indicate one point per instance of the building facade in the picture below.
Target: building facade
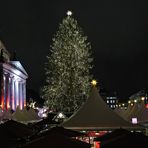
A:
(112, 101)
(12, 81)
(141, 95)
(110, 98)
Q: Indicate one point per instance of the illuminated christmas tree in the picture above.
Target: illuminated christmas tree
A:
(68, 68)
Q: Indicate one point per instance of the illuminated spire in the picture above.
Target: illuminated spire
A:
(94, 83)
(69, 13)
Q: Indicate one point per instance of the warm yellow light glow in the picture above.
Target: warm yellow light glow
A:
(132, 104)
(142, 98)
(94, 82)
(60, 116)
(69, 13)
(135, 101)
(129, 102)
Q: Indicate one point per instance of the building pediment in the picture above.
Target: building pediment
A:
(12, 81)
(18, 66)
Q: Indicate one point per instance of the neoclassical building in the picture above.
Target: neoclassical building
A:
(12, 81)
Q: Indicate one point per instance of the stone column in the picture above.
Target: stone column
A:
(18, 104)
(2, 90)
(10, 90)
(12, 101)
(7, 92)
(20, 95)
(1, 86)
(24, 94)
(16, 93)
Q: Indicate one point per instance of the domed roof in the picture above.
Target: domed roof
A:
(6, 54)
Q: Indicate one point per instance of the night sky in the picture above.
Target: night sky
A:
(116, 29)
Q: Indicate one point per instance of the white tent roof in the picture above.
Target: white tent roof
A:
(33, 114)
(95, 114)
(19, 116)
(139, 111)
(25, 116)
(125, 113)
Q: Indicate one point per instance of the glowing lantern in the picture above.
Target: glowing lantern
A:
(69, 13)
(60, 115)
(135, 101)
(142, 98)
(94, 82)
